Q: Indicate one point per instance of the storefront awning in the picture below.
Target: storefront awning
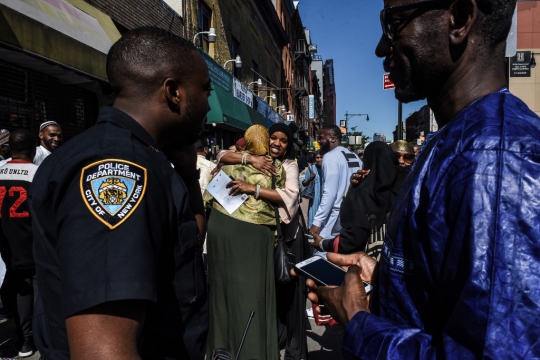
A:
(70, 33)
(227, 110)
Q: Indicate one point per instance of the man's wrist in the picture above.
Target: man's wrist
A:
(352, 312)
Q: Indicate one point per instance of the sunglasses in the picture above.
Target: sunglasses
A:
(407, 157)
(390, 26)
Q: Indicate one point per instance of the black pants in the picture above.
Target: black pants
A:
(19, 292)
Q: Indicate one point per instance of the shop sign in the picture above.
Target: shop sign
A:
(311, 106)
(242, 93)
(520, 64)
(267, 111)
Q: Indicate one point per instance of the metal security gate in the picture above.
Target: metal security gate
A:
(28, 98)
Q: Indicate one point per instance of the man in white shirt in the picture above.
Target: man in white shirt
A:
(204, 166)
(338, 166)
(50, 137)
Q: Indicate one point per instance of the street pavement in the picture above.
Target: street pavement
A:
(324, 342)
(7, 341)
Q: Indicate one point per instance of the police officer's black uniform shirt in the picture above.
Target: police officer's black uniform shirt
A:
(112, 222)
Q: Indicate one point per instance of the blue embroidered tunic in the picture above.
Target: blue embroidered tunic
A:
(460, 274)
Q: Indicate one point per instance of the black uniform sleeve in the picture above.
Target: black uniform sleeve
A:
(105, 252)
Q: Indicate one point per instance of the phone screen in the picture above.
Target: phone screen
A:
(324, 272)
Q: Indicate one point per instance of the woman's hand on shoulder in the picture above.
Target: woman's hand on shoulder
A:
(263, 164)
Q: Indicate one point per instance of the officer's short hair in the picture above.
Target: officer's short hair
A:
(143, 58)
(21, 141)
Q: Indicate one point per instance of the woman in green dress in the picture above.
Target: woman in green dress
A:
(241, 263)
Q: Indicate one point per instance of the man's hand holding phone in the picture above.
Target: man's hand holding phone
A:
(345, 301)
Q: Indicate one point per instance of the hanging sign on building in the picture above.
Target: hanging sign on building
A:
(387, 83)
(218, 75)
(520, 64)
(311, 106)
(242, 93)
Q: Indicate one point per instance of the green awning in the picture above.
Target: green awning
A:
(66, 35)
(227, 110)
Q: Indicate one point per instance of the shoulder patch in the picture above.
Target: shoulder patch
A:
(112, 189)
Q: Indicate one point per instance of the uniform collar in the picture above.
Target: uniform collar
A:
(120, 118)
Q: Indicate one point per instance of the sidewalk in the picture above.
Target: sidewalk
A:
(7, 342)
(324, 342)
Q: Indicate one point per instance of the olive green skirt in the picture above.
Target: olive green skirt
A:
(241, 280)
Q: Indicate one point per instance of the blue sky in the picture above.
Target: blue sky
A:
(348, 32)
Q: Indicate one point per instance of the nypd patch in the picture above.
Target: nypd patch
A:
(112, 189)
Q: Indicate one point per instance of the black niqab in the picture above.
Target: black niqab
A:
(375, 195)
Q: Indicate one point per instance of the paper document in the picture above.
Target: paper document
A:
(217, 187)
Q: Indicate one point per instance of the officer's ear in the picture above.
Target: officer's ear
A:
(41, 135)
(174, 94)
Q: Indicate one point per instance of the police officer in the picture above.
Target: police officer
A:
(116, 244)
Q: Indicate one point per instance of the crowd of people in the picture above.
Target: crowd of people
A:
(115, 249)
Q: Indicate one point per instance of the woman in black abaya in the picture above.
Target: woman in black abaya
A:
(365, 207)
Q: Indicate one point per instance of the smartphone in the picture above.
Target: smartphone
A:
(323, 272)
(309, 238)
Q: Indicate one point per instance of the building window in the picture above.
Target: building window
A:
(235, 51)
(204, 20)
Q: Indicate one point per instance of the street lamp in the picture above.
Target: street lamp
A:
(258, 82)
(273, 97)
(211, 35)
(237, 61)
(347, 117)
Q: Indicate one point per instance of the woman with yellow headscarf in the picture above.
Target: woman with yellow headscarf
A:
(241, 263)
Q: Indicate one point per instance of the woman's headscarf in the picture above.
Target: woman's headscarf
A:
(256, 140)
(281, 127)
(375, 195)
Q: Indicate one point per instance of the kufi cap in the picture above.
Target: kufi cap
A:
(4, 137)
(402, 145)
(47, 123)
